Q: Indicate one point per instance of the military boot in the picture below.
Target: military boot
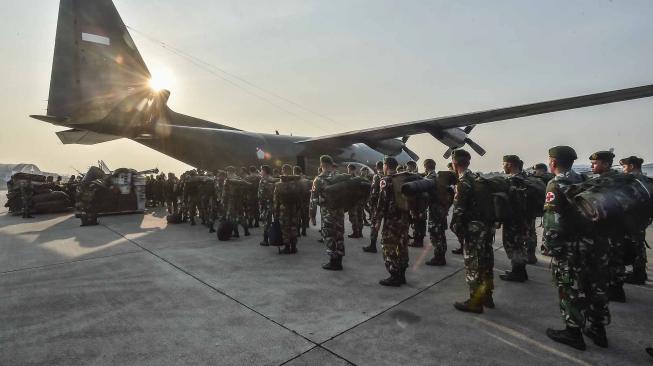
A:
(236, 233)
(488, 300)
(211, 228)
(354, 235)
(303, 231)
(436, 261)
(246, 230)
(469, 306)
(265, 242)
(370, 248)
(402, 276)
(360, 233)
(637, 276)
(616, 294)
(285, 250)
(293, 248)
(393, 281)
(532, 259)
(518, 274)
(570, 336)
(334, 264)
(192, 221)
(416, 243)
(256, 223)
(597, 334)
(457, 251)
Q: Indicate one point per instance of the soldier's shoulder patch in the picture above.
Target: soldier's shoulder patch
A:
(550, 197)
(383, 183)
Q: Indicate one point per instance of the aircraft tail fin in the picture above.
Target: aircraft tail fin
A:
(96, 63)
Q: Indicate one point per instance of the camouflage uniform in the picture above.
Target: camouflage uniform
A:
(394, 235)
(437, 223)
(287, 211)
(333, 220)
(374, 199)
(355, 219)
(305, 201)
(252, 200)
(265, 199)
(192, 196)
(635, 240)
(614, 235)
(170, 194)
(580, 261)
(515, 236)
(478, 236)
(232, 199)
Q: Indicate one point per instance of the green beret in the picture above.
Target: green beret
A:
(461, 154)
(602, 155)
(511, 159)
(390, 162)
(631, 160)
(563, 152)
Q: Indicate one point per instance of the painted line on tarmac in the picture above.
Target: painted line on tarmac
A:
(68, 262)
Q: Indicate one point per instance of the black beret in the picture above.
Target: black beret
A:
(540, 166)
(461, 154)
(602, 155)
(563, 152)
(511, 159)
(390, 162)
(631, 160)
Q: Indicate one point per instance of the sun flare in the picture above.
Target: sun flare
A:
(162, 78)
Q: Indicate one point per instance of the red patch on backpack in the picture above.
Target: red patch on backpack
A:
(550, 196)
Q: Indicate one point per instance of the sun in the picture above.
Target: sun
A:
(162, 78)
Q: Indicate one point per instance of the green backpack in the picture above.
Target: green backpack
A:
(492, 199)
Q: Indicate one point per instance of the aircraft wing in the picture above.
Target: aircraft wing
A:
(82, 137)
(438, 126)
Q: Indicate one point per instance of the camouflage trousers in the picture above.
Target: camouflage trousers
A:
(635, 249)
(478, 256)
(374, 233)
(304, 214)
(616, 261)
(419, 225)
(515, 238)
(531, 240)
(437, 226)
(394, 244)
(289, 221)
(581, 276)
(235, 216)
(192, 208)
(333, 231)
(355, 218)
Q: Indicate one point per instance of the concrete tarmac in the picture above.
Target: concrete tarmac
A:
(136, 291)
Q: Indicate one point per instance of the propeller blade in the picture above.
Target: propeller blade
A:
(447, 154)
(476, 147)
(469, 129)
(411, 153)
(405, 139)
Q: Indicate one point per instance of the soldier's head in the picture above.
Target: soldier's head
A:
(512, 164)
(601, 161)
(326, 163)
(460, 160)
(631, 164)
(252, 170)
(231, 171)
(365, 171)
(379, 166)
(390, 165)
(411, 166)
(297, 170)
(266, 170)
(275, 172)
(171, 175)
(351, 169)
(72, 178)
(429, 165)
(561, 159)
(540, 169)
(286, 169)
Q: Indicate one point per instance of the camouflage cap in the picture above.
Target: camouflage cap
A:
(602, 155)
(391, 162)
(460, 154)
(631, 160)
(563, 152)
(511, 159)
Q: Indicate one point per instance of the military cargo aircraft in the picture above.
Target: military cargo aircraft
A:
(100, 89)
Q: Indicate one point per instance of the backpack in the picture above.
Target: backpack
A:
(289, 190)
(225, 229)
(444, 193)
(527, 196)
(492, 199)
(403, 201)
(344, 191)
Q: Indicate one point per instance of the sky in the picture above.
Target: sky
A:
(353, 64)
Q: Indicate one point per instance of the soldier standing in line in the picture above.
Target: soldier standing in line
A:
(265, 198)
(395, 221)
(601, 163)
(232, 199)
(253, 179)
(169, 192)
(333, 219)
(306, 185)
(354, 212)
(580, 262)
(461, 238)
(374, 199)
(286, 207)
(478, 234)
(515, 230)
(191, 192)
(437, 220)
(636, 237)
(418, 215)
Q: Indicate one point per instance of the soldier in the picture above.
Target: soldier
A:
(636, 236)
(540, 170)
(253, 179)
(418, 215)
(478, 235)
(515, 230)
(394, 236)
(366, 209)
(461, 238)
(265, 198)
(601, 163)
(191, 194)
(333, 219)
(305, 202)
(169, 192)
(354, 212)
(374, 199)
(286, 208)
(232, 199)
(579, 260)
(26, 193)
(437, 221)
